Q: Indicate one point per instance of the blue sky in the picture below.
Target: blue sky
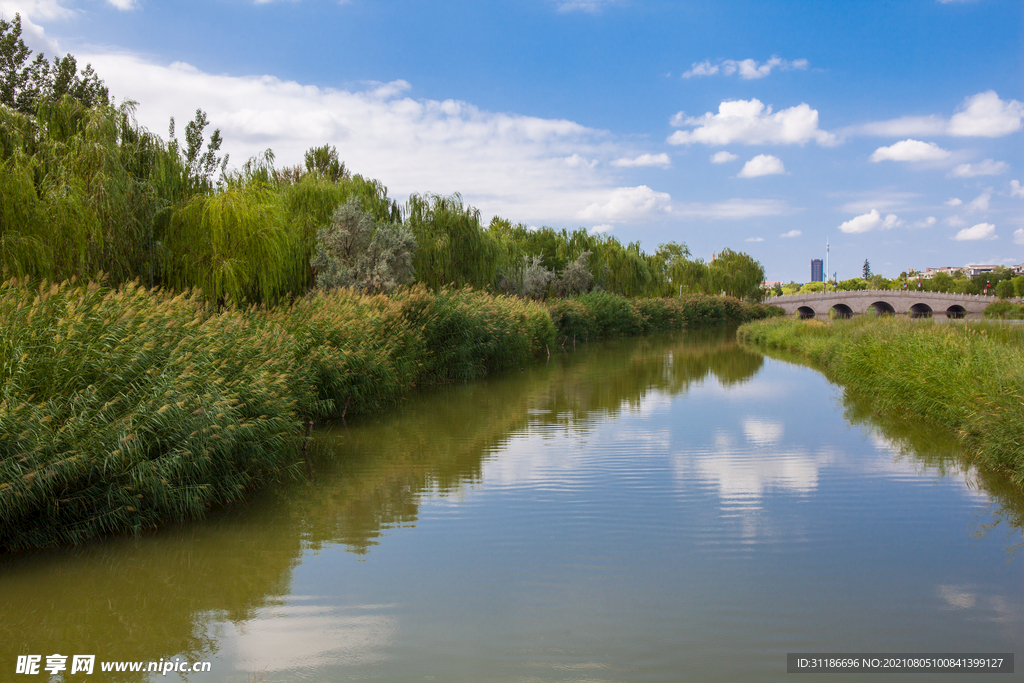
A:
(891, 129)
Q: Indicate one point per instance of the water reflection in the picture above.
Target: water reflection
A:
(664, 491)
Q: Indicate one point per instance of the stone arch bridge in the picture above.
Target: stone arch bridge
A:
(911, 303)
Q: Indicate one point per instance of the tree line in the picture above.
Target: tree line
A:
(88, 191)
(1002, 282)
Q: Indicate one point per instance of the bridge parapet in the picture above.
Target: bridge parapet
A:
(898, 302)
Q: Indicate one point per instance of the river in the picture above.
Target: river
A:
(658, 509)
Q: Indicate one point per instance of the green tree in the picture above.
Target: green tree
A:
(738, 275)
(866, 270)
(1005, 290)
(24, 83)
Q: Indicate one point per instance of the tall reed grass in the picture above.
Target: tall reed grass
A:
(123, 408)
(966, 376)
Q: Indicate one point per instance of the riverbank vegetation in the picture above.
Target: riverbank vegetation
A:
(967, 377)
(124, 408)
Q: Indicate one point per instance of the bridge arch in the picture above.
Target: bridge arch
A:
(920, 310)
(883, 308)
(805, 312)
(841, 311)
(956, 311)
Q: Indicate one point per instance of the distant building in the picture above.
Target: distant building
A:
(948, 270)
(817, 270)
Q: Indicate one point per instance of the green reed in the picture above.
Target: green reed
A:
(966, 376)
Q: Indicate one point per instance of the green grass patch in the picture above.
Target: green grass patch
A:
(966, 376)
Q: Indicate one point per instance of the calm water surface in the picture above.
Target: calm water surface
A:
(662, 509)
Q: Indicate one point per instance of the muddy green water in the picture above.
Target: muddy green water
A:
(661, 509)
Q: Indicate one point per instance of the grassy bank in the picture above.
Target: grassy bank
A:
(967, 377)
(122, 409)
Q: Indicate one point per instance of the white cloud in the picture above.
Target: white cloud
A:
(985, 115)
(643, 160)
(955, 201)
(986, 167)
(746, 68)
(980, 203)
(906, 125)
(576, 161)
(705, 68)
(762, 164)
(791, 233)
(926, 223)
(604, 227)
(628, 204)
(981, 231)
(131, 4)
(910, 150)
(1018, 236)
(526, 168)
(981, 115)
(583, 5)
(870, 221)
(724, 157)
(733, 209)
(751, 123)
(883, 201)
(954, 221)
(1016, 190)
(761, 239)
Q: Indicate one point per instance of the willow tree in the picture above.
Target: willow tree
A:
(235, 243)
(452, 248)
(71, 204)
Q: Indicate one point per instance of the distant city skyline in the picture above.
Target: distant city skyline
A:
(892, 130)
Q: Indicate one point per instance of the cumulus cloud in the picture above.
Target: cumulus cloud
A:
(1016, 190)
(750, 122)
(986, 167)
(981, 115)
(528, 168)
(985, 115)
(980, 203)
(925, 223)
(643, 160)
(761, 239)
(628, 204)
(870, 221)
(725, 157)
(746, 68)
(762, 164)
(910, 150)
(791, 233)
(954, 201)
(1018, 236)
(981, 231)
(604, 227)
